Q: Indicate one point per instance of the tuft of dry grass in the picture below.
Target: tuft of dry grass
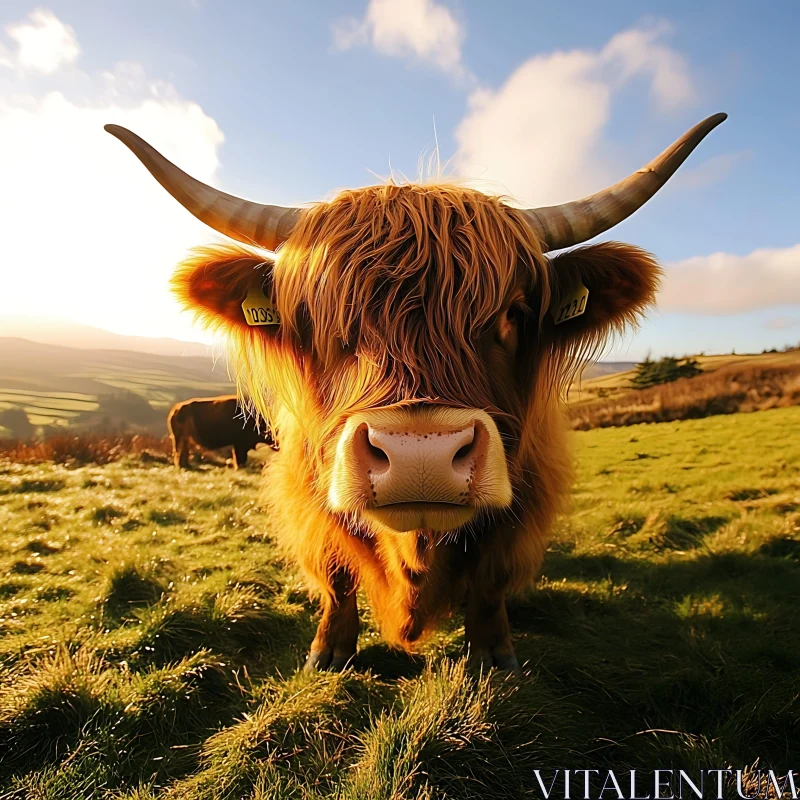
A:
(724, 391)
(130, 585)
(442, 737)
(86, 449)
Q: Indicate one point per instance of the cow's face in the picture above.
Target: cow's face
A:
(415, 333)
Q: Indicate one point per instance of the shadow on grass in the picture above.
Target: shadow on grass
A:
(388, 664)
(42, 485)
(73, 704)
(700, 645)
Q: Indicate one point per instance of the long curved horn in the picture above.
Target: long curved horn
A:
(580, 220)
(251, 223)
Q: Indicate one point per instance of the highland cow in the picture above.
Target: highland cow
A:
(411, 344)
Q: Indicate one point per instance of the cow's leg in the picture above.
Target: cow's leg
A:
(174, 435)
(240, 456)
(182, 453)
(486, 628)
(337, 633)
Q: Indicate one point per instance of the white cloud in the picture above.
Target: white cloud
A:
(722, 283)
(535, 136)
(43, 44)
(640, 51)
(93, 236)
(420, 29)
(782, 323)
(538, 136)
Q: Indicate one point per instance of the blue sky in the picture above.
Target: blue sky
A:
(289, 102)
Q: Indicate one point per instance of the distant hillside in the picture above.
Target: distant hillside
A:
(744, 386)
(612, 385)
(73, 334)
(606, 368)
(70, 388)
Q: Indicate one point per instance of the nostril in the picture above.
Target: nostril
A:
(463, 452)
(377, 454)
(467, 449)
(371, 456)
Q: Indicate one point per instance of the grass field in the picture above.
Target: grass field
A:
(150, 636)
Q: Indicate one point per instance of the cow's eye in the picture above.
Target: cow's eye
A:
(510, 320)
(514, 313)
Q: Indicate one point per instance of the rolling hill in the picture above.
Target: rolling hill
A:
(72, 334)
(594, 386)
(72, 388)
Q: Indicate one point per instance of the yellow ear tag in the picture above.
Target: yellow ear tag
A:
(573, 305)
(259, 309)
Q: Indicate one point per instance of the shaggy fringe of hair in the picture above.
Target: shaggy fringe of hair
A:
(411, 276)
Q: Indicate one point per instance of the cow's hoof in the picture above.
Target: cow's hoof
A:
(319, 660)
(486, 658)
(507, 662)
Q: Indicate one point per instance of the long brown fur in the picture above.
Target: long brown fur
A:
(405, 294)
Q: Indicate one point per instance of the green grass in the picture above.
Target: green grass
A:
(150, 636)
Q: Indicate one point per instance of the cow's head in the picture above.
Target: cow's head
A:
(416, 331)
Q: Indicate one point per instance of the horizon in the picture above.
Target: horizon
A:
(542, 105)
(216, 345)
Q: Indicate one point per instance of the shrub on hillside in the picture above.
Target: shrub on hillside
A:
(665, 370)
(128, 406)
(16, 420)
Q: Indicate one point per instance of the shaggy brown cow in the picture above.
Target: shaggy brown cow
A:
(410, 343)
(212, 423)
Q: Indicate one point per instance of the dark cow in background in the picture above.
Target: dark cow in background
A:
(211, 423)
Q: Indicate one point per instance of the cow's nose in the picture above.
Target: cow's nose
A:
(428, 464)
(419, 467)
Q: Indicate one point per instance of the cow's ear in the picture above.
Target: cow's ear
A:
(621, 280)
(214, 281)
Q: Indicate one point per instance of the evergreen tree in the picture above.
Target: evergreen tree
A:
(665, 370)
